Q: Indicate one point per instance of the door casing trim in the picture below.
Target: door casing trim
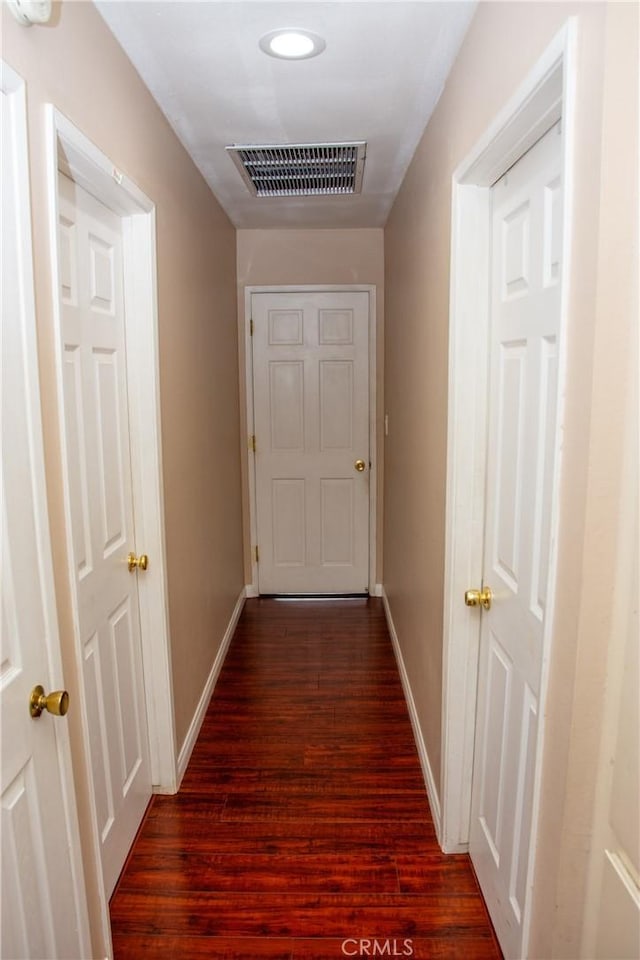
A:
(546, 96)
(71, 152)
(252, 589)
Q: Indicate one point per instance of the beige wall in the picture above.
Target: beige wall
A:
(288, 257)
(75, 64)
(503, 43)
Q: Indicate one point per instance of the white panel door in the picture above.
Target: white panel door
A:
(43, 908)
(525, 321)
(100, 504)
(311, 414)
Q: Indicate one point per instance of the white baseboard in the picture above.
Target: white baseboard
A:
(427, 772)
(378, 590)
(198, 718)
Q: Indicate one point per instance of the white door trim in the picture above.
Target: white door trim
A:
(252, 588)
(545, 96)
(72, 153)
(14, 87)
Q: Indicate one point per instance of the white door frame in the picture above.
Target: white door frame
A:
(14, 87)
(70, 152)
(546, 96)
(252, 589)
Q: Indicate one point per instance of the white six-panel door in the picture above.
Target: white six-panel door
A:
(525, 320)
(311, 415)
(43, 906)
(100, 505)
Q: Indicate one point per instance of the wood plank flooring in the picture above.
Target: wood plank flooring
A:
(302, 829)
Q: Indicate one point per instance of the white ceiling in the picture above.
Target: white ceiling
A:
(378, 80)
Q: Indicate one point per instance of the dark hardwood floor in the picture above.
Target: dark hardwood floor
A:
(302, 829)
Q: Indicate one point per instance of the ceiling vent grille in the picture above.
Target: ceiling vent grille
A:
(301, 169)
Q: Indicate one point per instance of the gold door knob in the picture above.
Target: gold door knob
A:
(479, 598)
(141, 562)
(360, 465)
(56, 702)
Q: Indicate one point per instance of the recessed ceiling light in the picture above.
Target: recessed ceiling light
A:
(27, 12)
(289, 44)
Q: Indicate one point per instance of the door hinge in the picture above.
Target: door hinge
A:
(257, 554)
(252, 442)
(251, 327)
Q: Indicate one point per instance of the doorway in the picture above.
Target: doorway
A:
(545, 98)
(526, 278)
(115, 391)
(44, 906)
(310, 410)
(97, 479)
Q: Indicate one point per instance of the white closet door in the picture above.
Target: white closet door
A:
(525, 323)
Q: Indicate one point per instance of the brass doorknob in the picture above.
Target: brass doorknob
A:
(142, 562)
(56, 702)
(479, 598)
(360, 465)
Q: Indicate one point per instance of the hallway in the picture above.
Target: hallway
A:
(302, 828)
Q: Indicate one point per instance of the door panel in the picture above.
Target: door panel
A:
(336, 522)
(23, 861)
(336, 405)
(100, 507)
(289, 545)
(509, 453)
(522, 438)
(496, 724)
(42, 909)
(75, 433)
(527, 724)
(109, 434)
(286, 406)
(311, 414)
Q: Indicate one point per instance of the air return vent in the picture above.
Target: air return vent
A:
(301, 169)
